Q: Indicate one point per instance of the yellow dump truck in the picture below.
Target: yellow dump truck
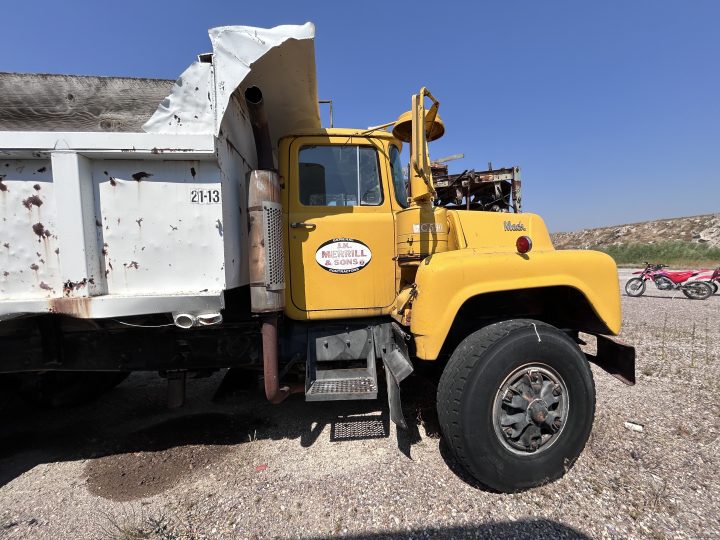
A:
(231, 230)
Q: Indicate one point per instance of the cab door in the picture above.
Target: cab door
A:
(341, 237)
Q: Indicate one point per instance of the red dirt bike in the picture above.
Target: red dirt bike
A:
(711, 277)
(668, 281)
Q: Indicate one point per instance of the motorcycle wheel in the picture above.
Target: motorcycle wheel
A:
(635, 287)
(697, 290)
(715, 287)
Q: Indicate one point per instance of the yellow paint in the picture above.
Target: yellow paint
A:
(481, 255)
(421, 231)
(486, 261)
(311, 291)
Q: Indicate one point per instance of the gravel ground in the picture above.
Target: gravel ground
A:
(125, 467)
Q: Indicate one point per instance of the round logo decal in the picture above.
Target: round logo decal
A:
(343, 255)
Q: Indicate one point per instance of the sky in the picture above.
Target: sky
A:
(611, 109)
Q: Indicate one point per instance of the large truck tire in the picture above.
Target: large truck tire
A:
(516, 404)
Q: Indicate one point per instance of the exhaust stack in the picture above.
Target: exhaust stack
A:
(265, 246)
(261, 131)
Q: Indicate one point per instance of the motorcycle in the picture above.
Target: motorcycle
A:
(711, 277)
(667, 281)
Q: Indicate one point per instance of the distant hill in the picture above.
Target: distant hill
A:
(694, 229)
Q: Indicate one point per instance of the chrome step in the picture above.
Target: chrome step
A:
(341, 383)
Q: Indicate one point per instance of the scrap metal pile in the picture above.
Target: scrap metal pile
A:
(494, 190)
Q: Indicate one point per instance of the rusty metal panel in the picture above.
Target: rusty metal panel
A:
(160, 226)
(29, 248)
(280, 60)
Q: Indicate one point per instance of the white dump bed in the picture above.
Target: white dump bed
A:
(108, 223)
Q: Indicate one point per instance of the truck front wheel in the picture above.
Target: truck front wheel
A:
(516, 404)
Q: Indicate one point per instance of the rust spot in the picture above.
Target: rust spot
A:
(154, 151)
(34, 200)
(112, 180)
(57, 251)
(76, 307)
(6, 245)
(39, 229)
(45, 286)
(97, 223)
(42, 169)
(69, 285)
(38, 254)
(139, 222)
(42, 261)
(6, 273)
(140, 175)
(34, 267)
(110, 265)
(131, 264)
(192, 171)
(37, 187)
(3, 187)
(173, 228)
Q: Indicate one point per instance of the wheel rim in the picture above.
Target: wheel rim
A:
(634, 286)
(531, 409)
(697, 290)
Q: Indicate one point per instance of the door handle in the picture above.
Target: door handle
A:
(302, 225)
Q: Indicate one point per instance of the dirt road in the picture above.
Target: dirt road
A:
(237, 467)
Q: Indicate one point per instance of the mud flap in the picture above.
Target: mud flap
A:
(615, 357)
(397, 368)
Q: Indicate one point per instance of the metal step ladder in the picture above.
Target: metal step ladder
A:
(323, 383)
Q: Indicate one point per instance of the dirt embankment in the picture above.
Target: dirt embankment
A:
(695, 229)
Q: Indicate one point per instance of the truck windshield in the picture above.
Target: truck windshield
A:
(399, 181)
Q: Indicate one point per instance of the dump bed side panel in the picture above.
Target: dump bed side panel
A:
(29, 247)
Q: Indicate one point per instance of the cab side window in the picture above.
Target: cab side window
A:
(398, 177)
(345, 175)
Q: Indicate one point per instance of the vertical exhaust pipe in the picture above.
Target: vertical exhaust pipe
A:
(265, 297)
(261, 131)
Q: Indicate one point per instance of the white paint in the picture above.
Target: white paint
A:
(76, 231)
(280, 60)
(163, 146)
(146, 246)
(125, 306)
(29, 266)
(343, 255)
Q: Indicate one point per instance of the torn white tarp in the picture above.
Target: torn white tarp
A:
(280, 60)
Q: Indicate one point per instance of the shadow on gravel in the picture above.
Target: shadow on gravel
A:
(136, 447)
(533, 529)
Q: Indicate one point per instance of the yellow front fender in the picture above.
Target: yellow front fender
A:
(445, 281)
